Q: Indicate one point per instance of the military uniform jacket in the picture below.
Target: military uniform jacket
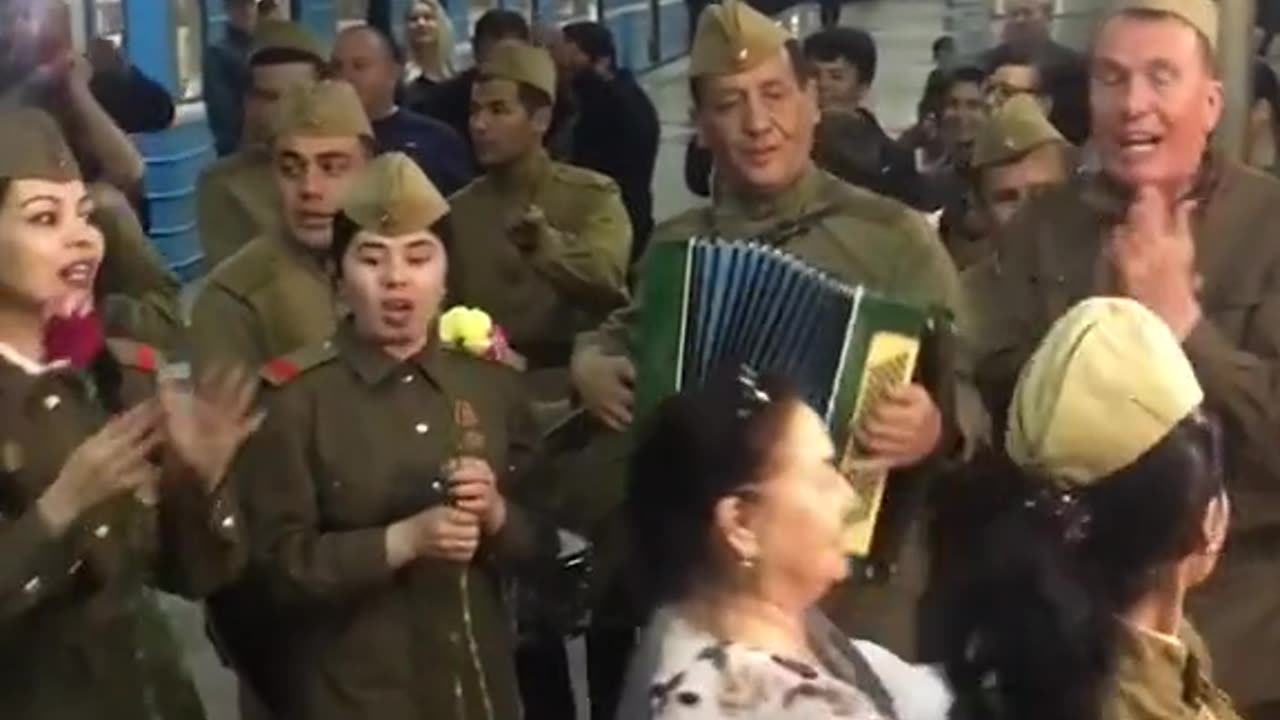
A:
(269, 299)
(1163, 678)
(352, 443)
(858, 237)
(80, 636)
(572, 278)
(1051, 258)
(236, 200)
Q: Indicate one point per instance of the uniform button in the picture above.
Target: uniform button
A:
(102, 531)
(421, 428)
(51, 402)
(406, 379)
(75, 567)
(455, 639)
(228, 522)
(32, 586)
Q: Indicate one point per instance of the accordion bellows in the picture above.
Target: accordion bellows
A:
(710, 305)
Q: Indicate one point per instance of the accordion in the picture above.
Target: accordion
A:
(711, 304)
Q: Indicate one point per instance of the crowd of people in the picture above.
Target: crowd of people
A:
(412, 366)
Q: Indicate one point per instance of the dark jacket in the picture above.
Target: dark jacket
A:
(226, 78)
(616, 134)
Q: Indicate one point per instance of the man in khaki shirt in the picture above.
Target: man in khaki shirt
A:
(542, 246)
(275, 294)
(236, 196)
(1191, 235)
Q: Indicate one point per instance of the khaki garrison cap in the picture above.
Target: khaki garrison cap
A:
(32, 147)
(1016, 128)
(329, 108)
(394, 197)
(285, 35)
(1107, 383)
(524, 63)
(1199, 14)
(733, 37)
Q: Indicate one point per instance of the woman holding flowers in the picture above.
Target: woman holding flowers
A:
(378, 490)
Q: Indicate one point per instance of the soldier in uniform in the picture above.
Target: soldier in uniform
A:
(1017, 154)
(273, 295)
(543, 246)
(106, 487)
(379, 490)
(1188, 233)
(755, 108)
(236, 196)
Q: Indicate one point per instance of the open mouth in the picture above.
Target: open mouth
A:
(315, 221)
(79, 274)
(396, 312)
(1139, 143)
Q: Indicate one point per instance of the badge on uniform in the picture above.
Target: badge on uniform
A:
(471, 438)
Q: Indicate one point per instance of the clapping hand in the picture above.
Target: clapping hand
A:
(205, 426)
(1152, 254)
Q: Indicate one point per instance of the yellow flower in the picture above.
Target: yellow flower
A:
(468, 328)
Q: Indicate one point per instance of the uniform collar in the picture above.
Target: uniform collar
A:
(523, 177)
(28, 365)
(1167, 671)
(1110, 199)
(373, 365)
(730, 207)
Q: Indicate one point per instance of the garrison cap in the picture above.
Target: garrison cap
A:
(521, 62)
(329, 108)
(1016, 128)
(394, 197)
(32, 146)
(733, 37)
(1199, 14)
(1107, 383)
(286, 35)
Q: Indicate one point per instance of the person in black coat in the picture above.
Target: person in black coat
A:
(617, 130)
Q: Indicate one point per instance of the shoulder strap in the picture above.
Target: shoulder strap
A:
(134, 354)
(282, 370)
(848, 663)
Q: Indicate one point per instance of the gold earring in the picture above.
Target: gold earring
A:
(747, 563)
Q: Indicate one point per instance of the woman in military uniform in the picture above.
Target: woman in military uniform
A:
(377, 488)
(1069, 569)
(96, 501)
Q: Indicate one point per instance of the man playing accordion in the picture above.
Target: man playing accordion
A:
(755, 109)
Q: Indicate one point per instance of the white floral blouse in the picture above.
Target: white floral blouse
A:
(681, 673)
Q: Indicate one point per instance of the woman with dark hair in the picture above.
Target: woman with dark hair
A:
(735, 493)
(378, 490)
(111, 478)
(1067, 569)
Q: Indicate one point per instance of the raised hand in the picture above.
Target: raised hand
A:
(205, 426)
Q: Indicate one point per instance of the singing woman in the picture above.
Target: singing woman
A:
(379, 489)
(106, 485)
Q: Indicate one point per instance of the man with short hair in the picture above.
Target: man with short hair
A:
(616, 130)
(756, 109)
(275, 294)
(1013, 73)
(964, 109)
(1189, 233)
(849, 142)
(226, 75)
(542, 246)
(236, 196)
(365, 57)
(1027, 30)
